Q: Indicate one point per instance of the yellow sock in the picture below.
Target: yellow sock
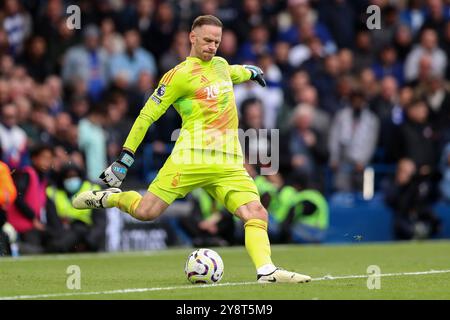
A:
(257, 242)
(125, 201)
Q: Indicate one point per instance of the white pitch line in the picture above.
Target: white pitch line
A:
(227, 284)
(382, 275)
(68, 294)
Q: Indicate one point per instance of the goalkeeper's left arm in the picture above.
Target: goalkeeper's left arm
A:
(241, 73)
(168, 91)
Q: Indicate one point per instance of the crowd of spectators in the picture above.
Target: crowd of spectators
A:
(344, 96)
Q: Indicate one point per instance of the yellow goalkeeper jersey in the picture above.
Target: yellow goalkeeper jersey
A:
(202, 93)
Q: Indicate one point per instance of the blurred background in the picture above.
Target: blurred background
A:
(363, 115)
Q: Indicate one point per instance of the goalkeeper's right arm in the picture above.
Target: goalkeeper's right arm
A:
(168, 91)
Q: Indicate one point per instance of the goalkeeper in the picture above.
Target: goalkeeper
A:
(201, 90)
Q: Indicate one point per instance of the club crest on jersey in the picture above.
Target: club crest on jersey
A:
(161, 90)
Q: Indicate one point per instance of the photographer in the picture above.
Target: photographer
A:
(410, 197)
(85, 227)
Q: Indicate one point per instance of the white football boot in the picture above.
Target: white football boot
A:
(93, 199)
(283, 276)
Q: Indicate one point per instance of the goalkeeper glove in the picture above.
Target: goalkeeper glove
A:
(257, 74)
(115, 173)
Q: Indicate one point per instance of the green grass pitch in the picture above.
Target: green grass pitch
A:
(338, 271)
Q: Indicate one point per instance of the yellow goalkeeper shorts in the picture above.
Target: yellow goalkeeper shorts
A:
(230, 184)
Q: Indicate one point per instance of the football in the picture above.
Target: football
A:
(204, 266)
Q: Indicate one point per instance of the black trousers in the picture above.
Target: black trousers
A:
(203, 238)
(48, 241)
(405, 226)
(88, 238)
(5, 249)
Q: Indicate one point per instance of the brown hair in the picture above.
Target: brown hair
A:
(206, 20)
(415, 102)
